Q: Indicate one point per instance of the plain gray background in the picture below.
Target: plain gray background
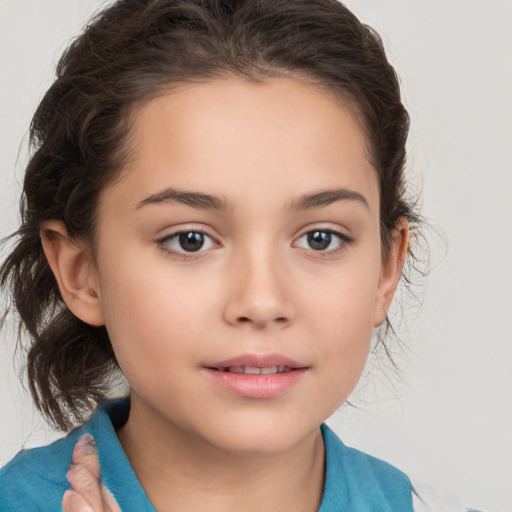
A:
(447, 421)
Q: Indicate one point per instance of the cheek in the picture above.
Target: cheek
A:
(149, 311)
(346, 327)
(344, 301)
(341, 312)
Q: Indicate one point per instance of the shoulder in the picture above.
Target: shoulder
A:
(35, 479)
(362, 482)
(358, 481)
(358, 463)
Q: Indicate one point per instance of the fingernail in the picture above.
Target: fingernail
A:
(90, 447)
(86, 444)
(84, 439)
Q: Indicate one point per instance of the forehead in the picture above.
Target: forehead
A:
(247, 140)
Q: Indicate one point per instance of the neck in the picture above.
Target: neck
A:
(181, 472)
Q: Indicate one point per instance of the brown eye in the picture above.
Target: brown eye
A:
(191, 241)
(187, 242)
(323, 240)
(319, 240)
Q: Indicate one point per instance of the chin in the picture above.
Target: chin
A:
(248, 445)
(252, 438)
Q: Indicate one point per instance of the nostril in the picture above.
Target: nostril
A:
(245, 319)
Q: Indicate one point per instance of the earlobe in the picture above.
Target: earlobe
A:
(391, 270)
(72, 266)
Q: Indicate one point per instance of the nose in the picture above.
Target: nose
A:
(260, 293)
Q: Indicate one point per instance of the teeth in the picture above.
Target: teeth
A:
(254, 370)
(269, 371)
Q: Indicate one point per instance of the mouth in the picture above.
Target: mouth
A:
(257, 376)
(255, 370)
(255, 364)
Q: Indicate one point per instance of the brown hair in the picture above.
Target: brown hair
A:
(129, 53)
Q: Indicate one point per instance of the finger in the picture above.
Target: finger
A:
(84, 473)
(66, 501)
(109, 501)
(74, 502)
(85, 454)
(87, 485)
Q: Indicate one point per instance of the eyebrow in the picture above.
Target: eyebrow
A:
(327, 197)
(197, 200)
(202, 201)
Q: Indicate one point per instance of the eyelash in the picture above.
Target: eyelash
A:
(163, 243)
(343, 240)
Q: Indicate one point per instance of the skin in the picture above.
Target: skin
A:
(87, 494)
(257, 286)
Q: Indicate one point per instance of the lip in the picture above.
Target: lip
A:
(258, 360)
(259, 385)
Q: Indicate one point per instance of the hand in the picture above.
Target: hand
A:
(87, 494)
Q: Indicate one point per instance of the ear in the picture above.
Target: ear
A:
(391, 270)
(72, 265)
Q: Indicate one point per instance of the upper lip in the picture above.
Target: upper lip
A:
(258, 361)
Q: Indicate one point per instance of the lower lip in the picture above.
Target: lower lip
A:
(256, 386)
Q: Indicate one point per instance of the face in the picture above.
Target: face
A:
(242, 237)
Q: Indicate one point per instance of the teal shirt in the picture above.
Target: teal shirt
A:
(35, 480)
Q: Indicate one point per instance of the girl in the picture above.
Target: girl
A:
(215, 207)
